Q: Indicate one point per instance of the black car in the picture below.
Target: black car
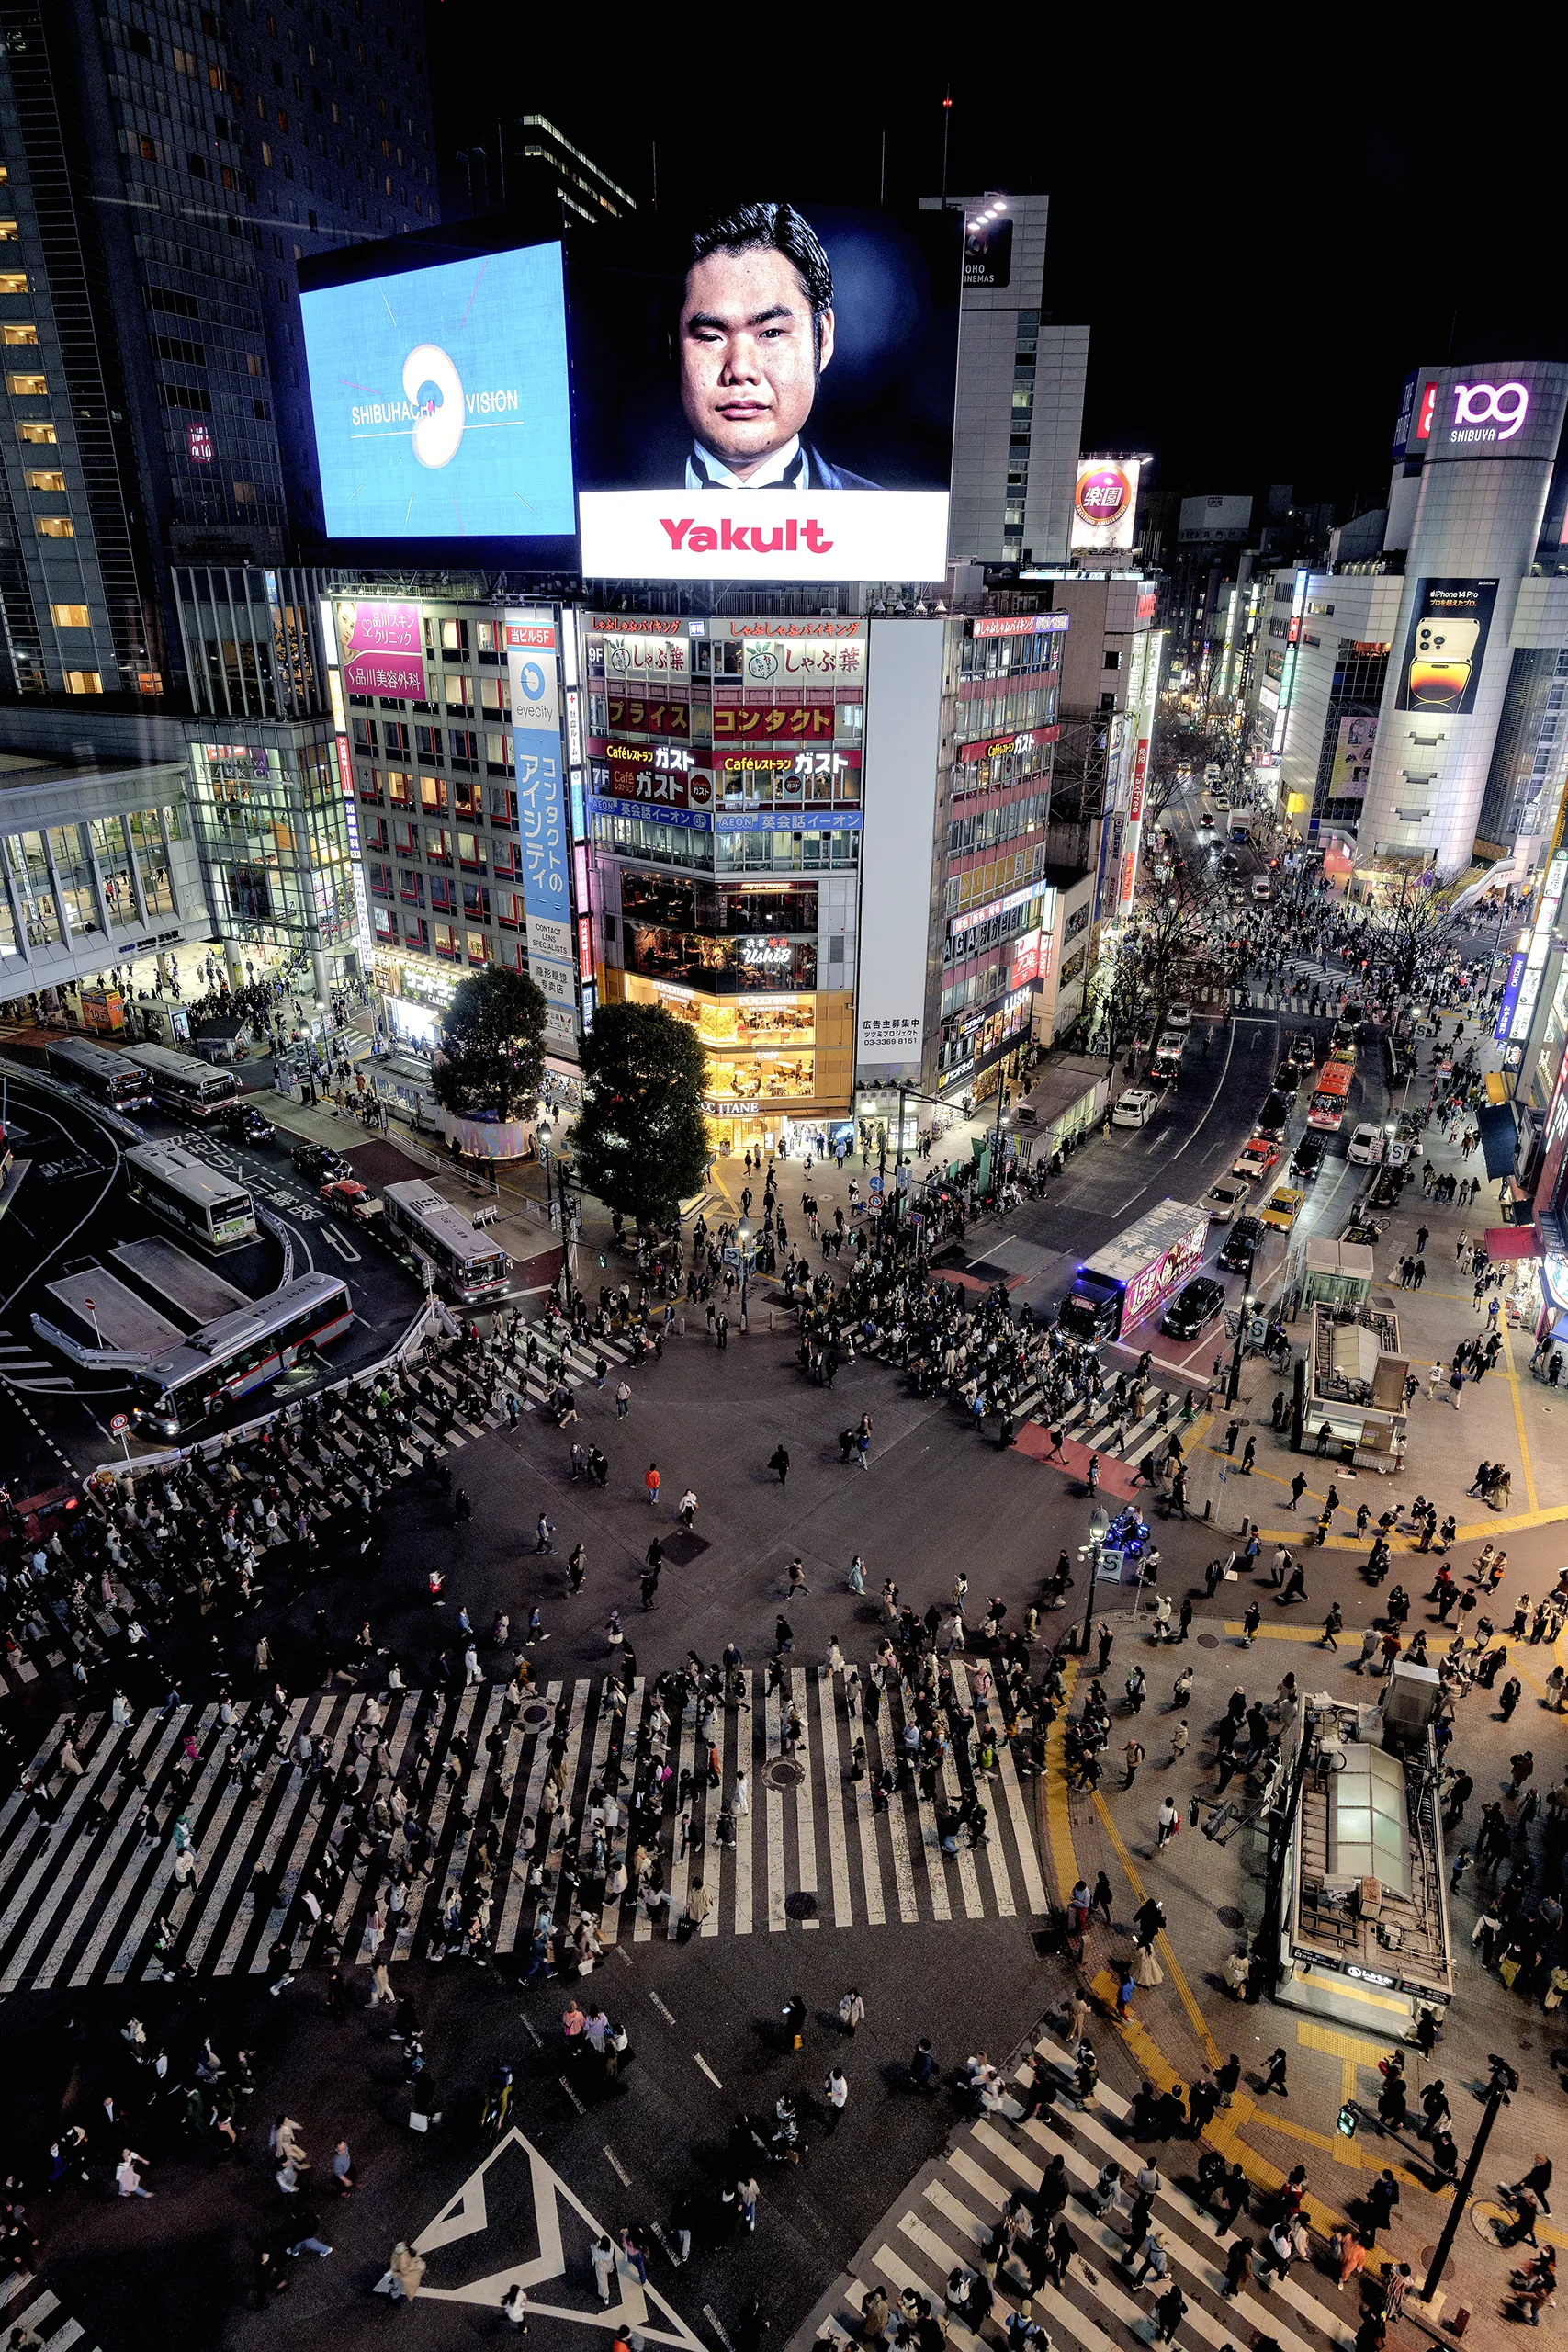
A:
(319, 1164)
(1275, 1116)
(1195, 1306)
(1308, 1157)
(1241, 1245)
(1302, 1051)
(246, 1125)
(1287, 1079)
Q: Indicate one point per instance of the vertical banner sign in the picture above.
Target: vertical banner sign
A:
(365, 938)
(531, 657)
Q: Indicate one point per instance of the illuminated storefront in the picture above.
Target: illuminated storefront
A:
(724, 781)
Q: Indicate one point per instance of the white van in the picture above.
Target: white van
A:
(1365, 1149)
(1136, 1106)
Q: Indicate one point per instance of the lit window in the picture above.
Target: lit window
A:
(83, 682)
(37, 432)
(27, 387)
(8, 233)
(69, 616)
(244, 493)
(18, 335)
(36, 480)
(54, 526)
(13, 281)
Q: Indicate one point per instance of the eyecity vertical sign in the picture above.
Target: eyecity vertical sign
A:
(532, 670)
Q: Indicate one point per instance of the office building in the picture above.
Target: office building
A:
(162, 169)
(1020, 388)
(1408, 697)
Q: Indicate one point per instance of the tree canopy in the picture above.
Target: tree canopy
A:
(493, 1054)
(641, 1140)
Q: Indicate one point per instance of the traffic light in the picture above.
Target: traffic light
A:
(1349, 2118)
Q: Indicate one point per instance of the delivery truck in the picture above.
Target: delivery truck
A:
(1134, 1275)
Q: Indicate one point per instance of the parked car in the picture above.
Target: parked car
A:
(1275, 1115)
(243, 1123)
(1365, 1149)
(1196, 1305)
(319, 1164)
(1308, 1157)
(1241, 1245)
(1257, 1160)
(1136, 1106)
(350, 1198)
(1282, 1209)
(1226, 1199)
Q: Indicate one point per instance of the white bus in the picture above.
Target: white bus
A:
(186, 1190)
(194, 1090)
(225, 1360)
(102, 1074)
(468, 1269)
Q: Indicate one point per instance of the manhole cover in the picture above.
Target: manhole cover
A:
(1426, 2254)
(536, 1715)
(785, 1774)
(1208, 1641)
(1231, 1917)
(800, 1906)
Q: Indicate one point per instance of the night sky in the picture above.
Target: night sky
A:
(1263, 236)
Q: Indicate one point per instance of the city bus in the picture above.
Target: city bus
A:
(192, 1089)
(203, 1374)
(1330, 1097)
(468, 1269)
(186, 1192)
(103, 1075)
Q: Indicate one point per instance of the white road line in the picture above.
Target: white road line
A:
(805, 1817)
(773, 1799)
(745, 1759)
(897, 1831)
(435, 1823)
(834, 1792)
(149, 1767)
(681, 1864)
(302, 1716)
(1023, 1835)
(707, 2070)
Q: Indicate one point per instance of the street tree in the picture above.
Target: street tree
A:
(1404, 939)
(492, 1050)
(641, 1140)
(1171, 928)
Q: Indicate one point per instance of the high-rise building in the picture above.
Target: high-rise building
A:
(1019, 420)
(1487, 437)
(163, 166)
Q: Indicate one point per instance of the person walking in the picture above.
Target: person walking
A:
(836, 2094)
(851, 2012)
(1274, 2077)
(650, 1483)
(127, 2180)
(623, 1400)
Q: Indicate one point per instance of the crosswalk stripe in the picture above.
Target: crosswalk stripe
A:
(809, 1849)
(833, 1796)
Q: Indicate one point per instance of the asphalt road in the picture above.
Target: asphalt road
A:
(73, 1210)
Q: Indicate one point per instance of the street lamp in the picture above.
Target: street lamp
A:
(562, 1171)
(743, 1245)
(1099, 1529)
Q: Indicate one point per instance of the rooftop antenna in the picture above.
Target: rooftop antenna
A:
(946, 126)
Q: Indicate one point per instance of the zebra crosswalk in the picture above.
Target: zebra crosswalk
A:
(503, 1796)
(27, 2302)
(1098, 1424)
(942, 2223)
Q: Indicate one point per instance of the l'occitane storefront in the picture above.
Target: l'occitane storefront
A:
(774, 1057)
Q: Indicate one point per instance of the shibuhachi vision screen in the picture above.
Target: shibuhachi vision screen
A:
(441, 399)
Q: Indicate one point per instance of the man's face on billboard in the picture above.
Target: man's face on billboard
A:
(748, 358)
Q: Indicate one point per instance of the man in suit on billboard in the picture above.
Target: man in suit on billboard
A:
(755, 333)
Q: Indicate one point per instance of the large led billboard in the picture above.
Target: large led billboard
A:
(810, 352)
(1446, 645)
(1105, 502)
(441, 400)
